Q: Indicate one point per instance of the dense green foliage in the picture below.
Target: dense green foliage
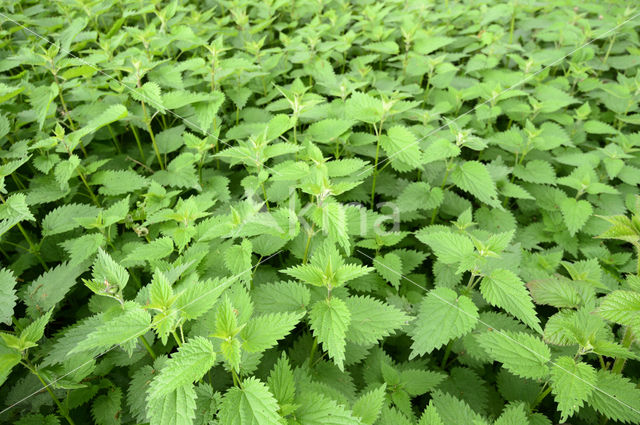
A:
(319, 212)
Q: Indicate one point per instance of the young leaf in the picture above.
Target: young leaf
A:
(251, 404)
(502, 288)
(442, 316)
(329, 321)
(523, 354)
(571, 384)
(189, 364)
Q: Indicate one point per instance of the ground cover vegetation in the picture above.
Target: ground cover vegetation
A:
(319, 212)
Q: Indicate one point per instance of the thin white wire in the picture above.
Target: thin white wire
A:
(145, 331)
(500, 332)
(449, 122)
(138, 93)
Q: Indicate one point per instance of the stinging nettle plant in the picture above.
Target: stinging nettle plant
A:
(319, 212)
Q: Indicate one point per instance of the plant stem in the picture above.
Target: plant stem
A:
(236, 378)
(306, 248)
(148, 347)
(541, 397)
(606, 56)
(375, 165)
(147, 121)
(62, 410)
(627, 339)
(135, 134)
(447, 352)
(176, 337)
(86, 184)
(314, 348)
(32, 246)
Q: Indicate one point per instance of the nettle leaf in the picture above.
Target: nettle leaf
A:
(450, 248)
(572, 384)
(372, 320)
(474, 178)
(263, 332)
(575, 213)
(189, 364)
(318, 409)
(118, 328)
(622, 307)
(175, 408)
(329, 320)
(615, 396)
(66, 217)
(363, 107)
(402, 145)
(7, 295)
(522, 354)
(502, 288)
(369, 405)
(251, 404)
(389, 268)
(442, 316)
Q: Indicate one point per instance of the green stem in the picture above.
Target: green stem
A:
(147, 121)
(627, 339)
(148, 347)
(135, 134)
(314, 348)
(306, 248)
(62, 410)
(32, 246)
(86, 184)
(447, 352)
(176, 337)
(541, 397)
(113, 138)
(606, 56)
(375, 165)
(442, 185)
(236, 378)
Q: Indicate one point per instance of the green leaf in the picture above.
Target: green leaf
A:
(318, 409)
(450, 248)
(263, 332)
(63, 219)
(150, 93)
(369, 405)
(189, 364)
(575, 213)
(251, 404)
(281, 381)
(107, 271)
(129, 324)
(389, 268)
(7, 295)
(363, 107)
(35, 331)
(442, 316)
(372, 320)
(402, 145)
(571, 384)
(174, 408)
(474, 178)
(151, 252)
(50, 288)
(622, 307)
(514, 414)
(9, 357)
(118, 182)
(615, 397)
(522, 354)
(504, 289)
(329, 320)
